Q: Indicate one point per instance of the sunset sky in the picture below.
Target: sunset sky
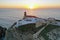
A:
(29, 3)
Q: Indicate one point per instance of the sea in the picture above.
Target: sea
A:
(10, 15)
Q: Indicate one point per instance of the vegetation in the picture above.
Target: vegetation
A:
(28, 27)
(48, 29)
(32, 27)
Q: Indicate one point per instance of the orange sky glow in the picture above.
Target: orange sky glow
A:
(29, 4)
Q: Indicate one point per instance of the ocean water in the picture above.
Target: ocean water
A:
(10, 15)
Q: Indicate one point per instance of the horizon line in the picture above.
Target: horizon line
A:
(22, 7)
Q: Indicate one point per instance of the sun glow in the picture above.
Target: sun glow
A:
(31, 4)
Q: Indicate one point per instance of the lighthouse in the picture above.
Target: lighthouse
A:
(25, 14)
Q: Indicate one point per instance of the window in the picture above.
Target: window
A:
(28, 20)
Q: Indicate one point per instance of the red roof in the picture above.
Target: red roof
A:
(32, 16)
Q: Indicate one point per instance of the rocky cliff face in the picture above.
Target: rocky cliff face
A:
(51, 32)
(13, 34)
(54, 34)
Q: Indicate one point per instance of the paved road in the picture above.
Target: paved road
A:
(35, 36)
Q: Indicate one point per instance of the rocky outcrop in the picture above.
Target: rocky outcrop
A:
(13, 34)
(51, 32)
(2, 32)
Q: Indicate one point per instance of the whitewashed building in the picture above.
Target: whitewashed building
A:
(52, 20)
(28, 19)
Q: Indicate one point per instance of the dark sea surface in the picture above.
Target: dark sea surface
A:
(9, 16)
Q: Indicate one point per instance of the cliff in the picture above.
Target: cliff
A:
(51, 32)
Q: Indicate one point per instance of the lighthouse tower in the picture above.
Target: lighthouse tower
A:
(25, 14)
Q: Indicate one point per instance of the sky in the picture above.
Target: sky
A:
(29, 3)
